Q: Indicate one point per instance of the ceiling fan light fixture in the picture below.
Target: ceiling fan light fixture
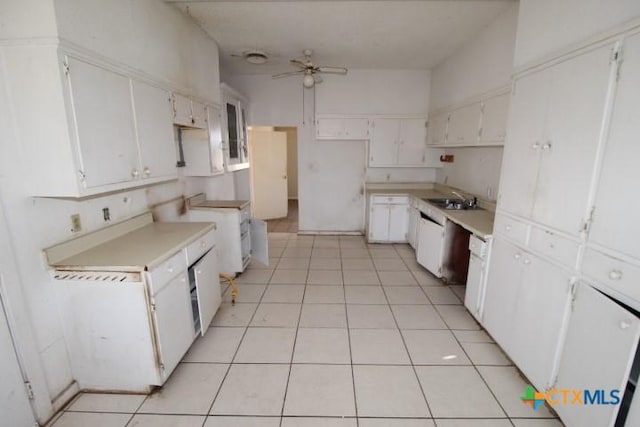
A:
(308, 81)
(255, 57)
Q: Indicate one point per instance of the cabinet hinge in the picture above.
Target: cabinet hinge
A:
(82, 175)
(65, 68)
(153, 307)
(616, 59)
(586, 224)
(29, 389)
(572, 291)
(162, 366)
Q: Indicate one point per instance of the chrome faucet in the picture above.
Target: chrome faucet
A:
(460, 196)
(467, 202)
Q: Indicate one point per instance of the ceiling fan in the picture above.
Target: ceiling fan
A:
(309, 70)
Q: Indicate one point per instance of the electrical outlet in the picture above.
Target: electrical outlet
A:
(106, 215)
(76, 224)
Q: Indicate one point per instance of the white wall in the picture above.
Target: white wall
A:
(149, 35)
(482, 65)
(284, 102)
(546, 26)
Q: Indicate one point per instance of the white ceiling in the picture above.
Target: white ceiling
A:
(355, 34)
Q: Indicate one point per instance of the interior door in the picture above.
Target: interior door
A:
(578, 99)
(259, 241)
(104, 124)
(602, 338)
(413, 142)
(269, 174)
(174, 322)
(208, 288)
(430, 246)
(153, 115)
(383, 147)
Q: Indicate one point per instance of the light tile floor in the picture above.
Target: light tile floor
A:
(334, 332)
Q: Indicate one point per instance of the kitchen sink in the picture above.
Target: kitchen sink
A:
(452, 204)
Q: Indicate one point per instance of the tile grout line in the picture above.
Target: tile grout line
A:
(293, 350)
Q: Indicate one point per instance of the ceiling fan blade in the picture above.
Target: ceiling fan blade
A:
(332, 70)
(317, 79)
(287, 74)
(298, 63)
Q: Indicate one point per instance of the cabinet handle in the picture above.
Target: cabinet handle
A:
(615, 275)
(624, 324)
(183, 280)
(170, 269)
(547, 146)
(198, 272)
(526, 261)
(507, 227)
(135, 173)
(517, 256)
(535, 145)
(202, 244)
(147, 171)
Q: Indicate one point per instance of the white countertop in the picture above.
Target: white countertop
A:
(477, 221)
(137, 250)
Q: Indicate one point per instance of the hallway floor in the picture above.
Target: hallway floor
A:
(333, 333)
(289, 224)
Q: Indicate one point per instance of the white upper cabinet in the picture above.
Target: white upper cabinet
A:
(400, 142)
(437, 130)
(614, 223)
(104, 126)
(153, 116)
(412, 149)
(198, 115)
(555, 128)
(464, 125)
(202, 149)
(342, 128)
(575, 117)
(187, 112)
(494, 119)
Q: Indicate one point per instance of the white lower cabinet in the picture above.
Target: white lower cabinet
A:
(474, 285)
(388, 219)
(207, 286)
(525, 306)
(601, 342)
(412, 235)
(431, 240)
(174, 325)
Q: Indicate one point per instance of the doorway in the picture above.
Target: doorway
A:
(274, 176)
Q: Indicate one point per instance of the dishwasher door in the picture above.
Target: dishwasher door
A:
(430, 245)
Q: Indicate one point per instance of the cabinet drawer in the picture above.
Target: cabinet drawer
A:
(200, 246)
(390, 200)
(477, 247)
(514, 230)
(166, 271)
(556, 247)
(614, 273)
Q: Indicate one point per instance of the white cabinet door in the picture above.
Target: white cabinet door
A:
(379, 223)
(104, 124)
(522, 148)
(615, 226)
(202, 149)
(412, 142)
(383, 147)
(437, 130)
(414, 214)
(494, 119)
(501, 294)
(207, 288)
(398, 223)
(198, 115)
(327, 128)
(464, 124)
(214, 121)
(154, 127)
(474, 283)
(181, 110)
(578, 98)
(174, 322)
(355, 128)
(540, 313)
(259, 241)
(601, 342)
(430, 246)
